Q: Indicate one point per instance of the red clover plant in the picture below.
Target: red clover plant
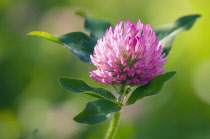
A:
(125, 56)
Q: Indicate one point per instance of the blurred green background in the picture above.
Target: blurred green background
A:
(30, 95)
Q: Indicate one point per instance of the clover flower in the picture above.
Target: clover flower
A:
(128, 54)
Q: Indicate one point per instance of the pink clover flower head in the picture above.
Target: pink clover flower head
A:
(128, 54)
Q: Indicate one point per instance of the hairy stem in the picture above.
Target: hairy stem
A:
(116, 117)
(113, 125)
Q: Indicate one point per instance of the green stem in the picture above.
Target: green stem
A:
(116, 117)
(113, 126)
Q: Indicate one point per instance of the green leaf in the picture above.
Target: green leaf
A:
(152, 88)
(79, 86)
(97, 111)
(168, 32)
(81, 13)
(80, 44)
(45, 35)
(96, 27)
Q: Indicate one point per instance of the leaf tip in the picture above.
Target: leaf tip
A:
(172, 73)
(76, 119)
(61, 80)
(81, 13)
(46, 36)
(197, 15)
(32, 33)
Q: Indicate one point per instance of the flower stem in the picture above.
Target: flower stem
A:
(116, 117)
(113, 125)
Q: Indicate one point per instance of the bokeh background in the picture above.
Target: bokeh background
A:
(31, 100)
